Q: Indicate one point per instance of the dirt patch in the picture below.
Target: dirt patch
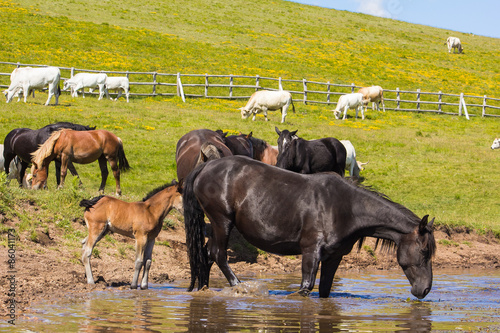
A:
(48, 266)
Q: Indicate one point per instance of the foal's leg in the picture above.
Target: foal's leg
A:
(147, 263)
(104, 172)
(96, 232)
(140, 248)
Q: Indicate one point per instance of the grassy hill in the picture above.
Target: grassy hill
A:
(437, 165)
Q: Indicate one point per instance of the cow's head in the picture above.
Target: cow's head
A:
(245, 113)
(67, 85)
(9, 94)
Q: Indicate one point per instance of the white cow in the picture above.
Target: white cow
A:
(349, 101)
(264, 100)
(351, 164)
(118, 83)
(374, 94)
(15, 72)
(496, 144)
(35, 78)
(454, 43)
(86, 80)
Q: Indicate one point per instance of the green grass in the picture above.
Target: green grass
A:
(433, 164)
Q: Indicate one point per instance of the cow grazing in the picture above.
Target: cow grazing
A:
(118, 83)
(265, 100)
(27, 79)
(351, 164)
(349, 101)
(86, 80)
(496, 144)
(454, 43)
(374, 94)
(15, 72)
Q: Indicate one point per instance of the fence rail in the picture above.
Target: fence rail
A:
(308, 92)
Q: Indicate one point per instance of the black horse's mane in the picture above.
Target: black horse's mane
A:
(158, 189)
(73, 126)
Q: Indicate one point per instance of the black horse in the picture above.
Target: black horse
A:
(320, 216)
(310, 156)
(23, 142)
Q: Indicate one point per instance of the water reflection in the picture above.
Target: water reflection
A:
(359, 303)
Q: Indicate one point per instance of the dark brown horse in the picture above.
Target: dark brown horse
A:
(310, 156)
(22, 142)
(80, 147)
(320, 216)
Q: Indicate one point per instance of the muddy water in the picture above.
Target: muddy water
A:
(362, 302)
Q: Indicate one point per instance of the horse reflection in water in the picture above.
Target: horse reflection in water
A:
(320, 216)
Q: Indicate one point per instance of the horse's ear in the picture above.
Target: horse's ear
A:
(180, 185)
(424, 225)
(294, 132)
(249, 135)
(277, 130)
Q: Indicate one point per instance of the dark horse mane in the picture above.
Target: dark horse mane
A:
(65, 124)
(386, 245)
(158, 189)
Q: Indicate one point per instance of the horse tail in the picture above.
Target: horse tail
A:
(194, 220)
(90, 203)
(122, 159)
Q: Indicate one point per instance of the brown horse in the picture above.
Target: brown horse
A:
(140, 220)
(80, 147)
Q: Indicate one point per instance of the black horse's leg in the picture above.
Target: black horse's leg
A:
(328, 269)
(217, 248)
(22, 172)
(58, 171)
(73, 171)
(103, 164)
(310, 264)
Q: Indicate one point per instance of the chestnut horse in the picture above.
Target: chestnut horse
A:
(140, 220)
(80, 147)
(320, 216)
(22, 142)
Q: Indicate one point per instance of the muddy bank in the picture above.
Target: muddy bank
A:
(48, 266)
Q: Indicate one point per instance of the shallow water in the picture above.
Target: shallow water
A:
(362, 302)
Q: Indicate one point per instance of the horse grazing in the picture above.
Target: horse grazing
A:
(83, 148)
(22, 142)
(304, 156)
(320, 216)
(140, 220)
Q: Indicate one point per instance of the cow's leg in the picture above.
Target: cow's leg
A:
(127, 93)
(101, 91)
(264, 110)
(284, 110)
(51, 93)
(119, 94)
(25, 91)
(345, 112)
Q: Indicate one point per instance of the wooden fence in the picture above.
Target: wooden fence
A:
(308, 92)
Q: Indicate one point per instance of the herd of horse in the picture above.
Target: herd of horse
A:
(289, 200)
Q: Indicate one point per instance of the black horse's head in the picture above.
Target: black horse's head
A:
(285, 137)
(415, 251)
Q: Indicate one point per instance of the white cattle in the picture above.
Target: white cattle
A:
(351, 164)
(265, 100)
(118, 83)
(454, 43)
(15, 72)
(349, 101)
(28, 79)
(86, 80)
(496, 144)
(374, 94)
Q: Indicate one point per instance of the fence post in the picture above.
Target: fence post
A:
(328, 94)
(206, 85)
(72, 72)
(418, 99)
(127, 74)
(180, 90)
(398, 98)
(280, 84)
(231, 85)
(462, 103)
(154, 84)
(304, 84)
(257, 82)
(18, 64)
(352, 87)
(484, 106)
(440, 100)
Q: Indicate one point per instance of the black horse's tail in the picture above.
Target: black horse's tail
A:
(194, 220)
(90, 203)
(122, 160)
